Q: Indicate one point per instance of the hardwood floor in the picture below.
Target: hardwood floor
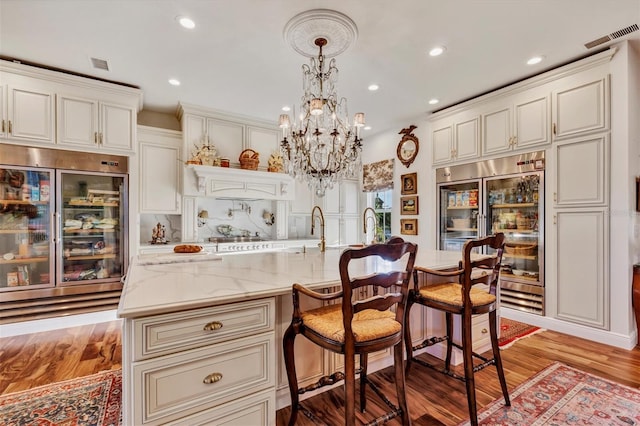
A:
(33, 360)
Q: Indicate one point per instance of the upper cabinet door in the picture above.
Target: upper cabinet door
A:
(581, 107)
(442, 139)
(118, 127)
(497, 135)
(582, 173)
(30, 115)
(531, 121)
(77, 121)
(467, 138)
(228, 137)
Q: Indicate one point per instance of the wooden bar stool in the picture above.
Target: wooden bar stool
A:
(460, 295)
(356, 327)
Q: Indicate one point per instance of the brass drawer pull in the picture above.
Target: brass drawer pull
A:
(212, 378)
(213, 325)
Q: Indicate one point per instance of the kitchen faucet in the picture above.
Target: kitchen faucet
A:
(322, 243)
(365, 221)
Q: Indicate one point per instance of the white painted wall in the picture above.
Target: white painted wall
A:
(383, 146)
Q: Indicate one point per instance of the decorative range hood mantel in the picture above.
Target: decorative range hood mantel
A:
(240, 183)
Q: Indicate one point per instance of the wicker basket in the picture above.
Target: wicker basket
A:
(521, 249)
(249, 159)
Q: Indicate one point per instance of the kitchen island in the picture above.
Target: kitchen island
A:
(202, 333)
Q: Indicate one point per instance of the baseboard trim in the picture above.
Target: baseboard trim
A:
(606, 337)
(48, 324)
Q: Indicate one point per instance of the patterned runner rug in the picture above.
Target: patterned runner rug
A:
(511, 331)
(87, 401)
(562, 395)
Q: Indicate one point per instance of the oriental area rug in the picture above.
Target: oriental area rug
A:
(511, 331)
(562, 395)
(86, 401)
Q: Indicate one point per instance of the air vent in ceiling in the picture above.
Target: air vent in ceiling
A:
(616, 34)
(100, 64)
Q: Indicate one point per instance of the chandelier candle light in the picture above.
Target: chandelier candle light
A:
(323, 146)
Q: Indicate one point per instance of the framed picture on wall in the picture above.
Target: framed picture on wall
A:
(409, 205)
(409, 226)
(409, 184)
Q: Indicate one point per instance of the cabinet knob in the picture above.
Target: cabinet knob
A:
(212, 378)
(212, 326)
(484, 331)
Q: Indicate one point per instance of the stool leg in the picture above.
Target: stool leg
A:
(407, 333)
(364, 360)
(289, 361)
(400, 383)
(467, 356)
(449, 327)
(349, 387)
(493, 330)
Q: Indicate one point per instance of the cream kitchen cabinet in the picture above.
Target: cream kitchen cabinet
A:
(456, 138)
(91, 124)
(230, 134)
(199, 365)
(304, 200)
(581, 104)
(341, 208)
(27, 111)
(580, 266)
(581, 171)
(517, 122)
(160, 170)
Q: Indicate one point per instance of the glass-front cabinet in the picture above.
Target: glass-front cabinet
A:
(459, 214)
(91, 215)
(26, 228)
(513, 208)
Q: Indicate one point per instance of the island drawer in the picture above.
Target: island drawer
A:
(179, 385)
(179, 331)
(257, 409)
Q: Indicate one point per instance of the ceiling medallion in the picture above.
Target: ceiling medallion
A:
(321, 145)
(304, 29)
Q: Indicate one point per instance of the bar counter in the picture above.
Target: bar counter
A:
(202, 333)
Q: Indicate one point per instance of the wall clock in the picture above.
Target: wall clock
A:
(408, 146)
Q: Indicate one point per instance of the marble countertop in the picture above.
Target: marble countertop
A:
(156, 287)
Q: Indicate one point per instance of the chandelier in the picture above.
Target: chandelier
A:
(322, 145)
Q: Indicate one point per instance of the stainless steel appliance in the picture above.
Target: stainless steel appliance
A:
(63, 231)
(502, 195)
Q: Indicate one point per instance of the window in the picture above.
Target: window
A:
(381, 202)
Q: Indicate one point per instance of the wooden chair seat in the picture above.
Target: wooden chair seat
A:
(451, 294)
(367, 325)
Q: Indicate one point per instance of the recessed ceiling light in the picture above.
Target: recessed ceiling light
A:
(433, 101)
(373, 87)
(534, 60)
(174, 82)
(367, 127)
(286, 108)
(186, 22)
(437, 51)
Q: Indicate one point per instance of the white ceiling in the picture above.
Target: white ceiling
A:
(236, 59)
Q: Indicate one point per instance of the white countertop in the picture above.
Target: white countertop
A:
(155, 287)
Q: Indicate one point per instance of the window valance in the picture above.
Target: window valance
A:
(377, 176)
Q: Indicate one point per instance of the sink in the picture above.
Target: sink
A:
(234, 239)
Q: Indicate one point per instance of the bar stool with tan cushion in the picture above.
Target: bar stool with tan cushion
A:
(356, 327)
(469, 290)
